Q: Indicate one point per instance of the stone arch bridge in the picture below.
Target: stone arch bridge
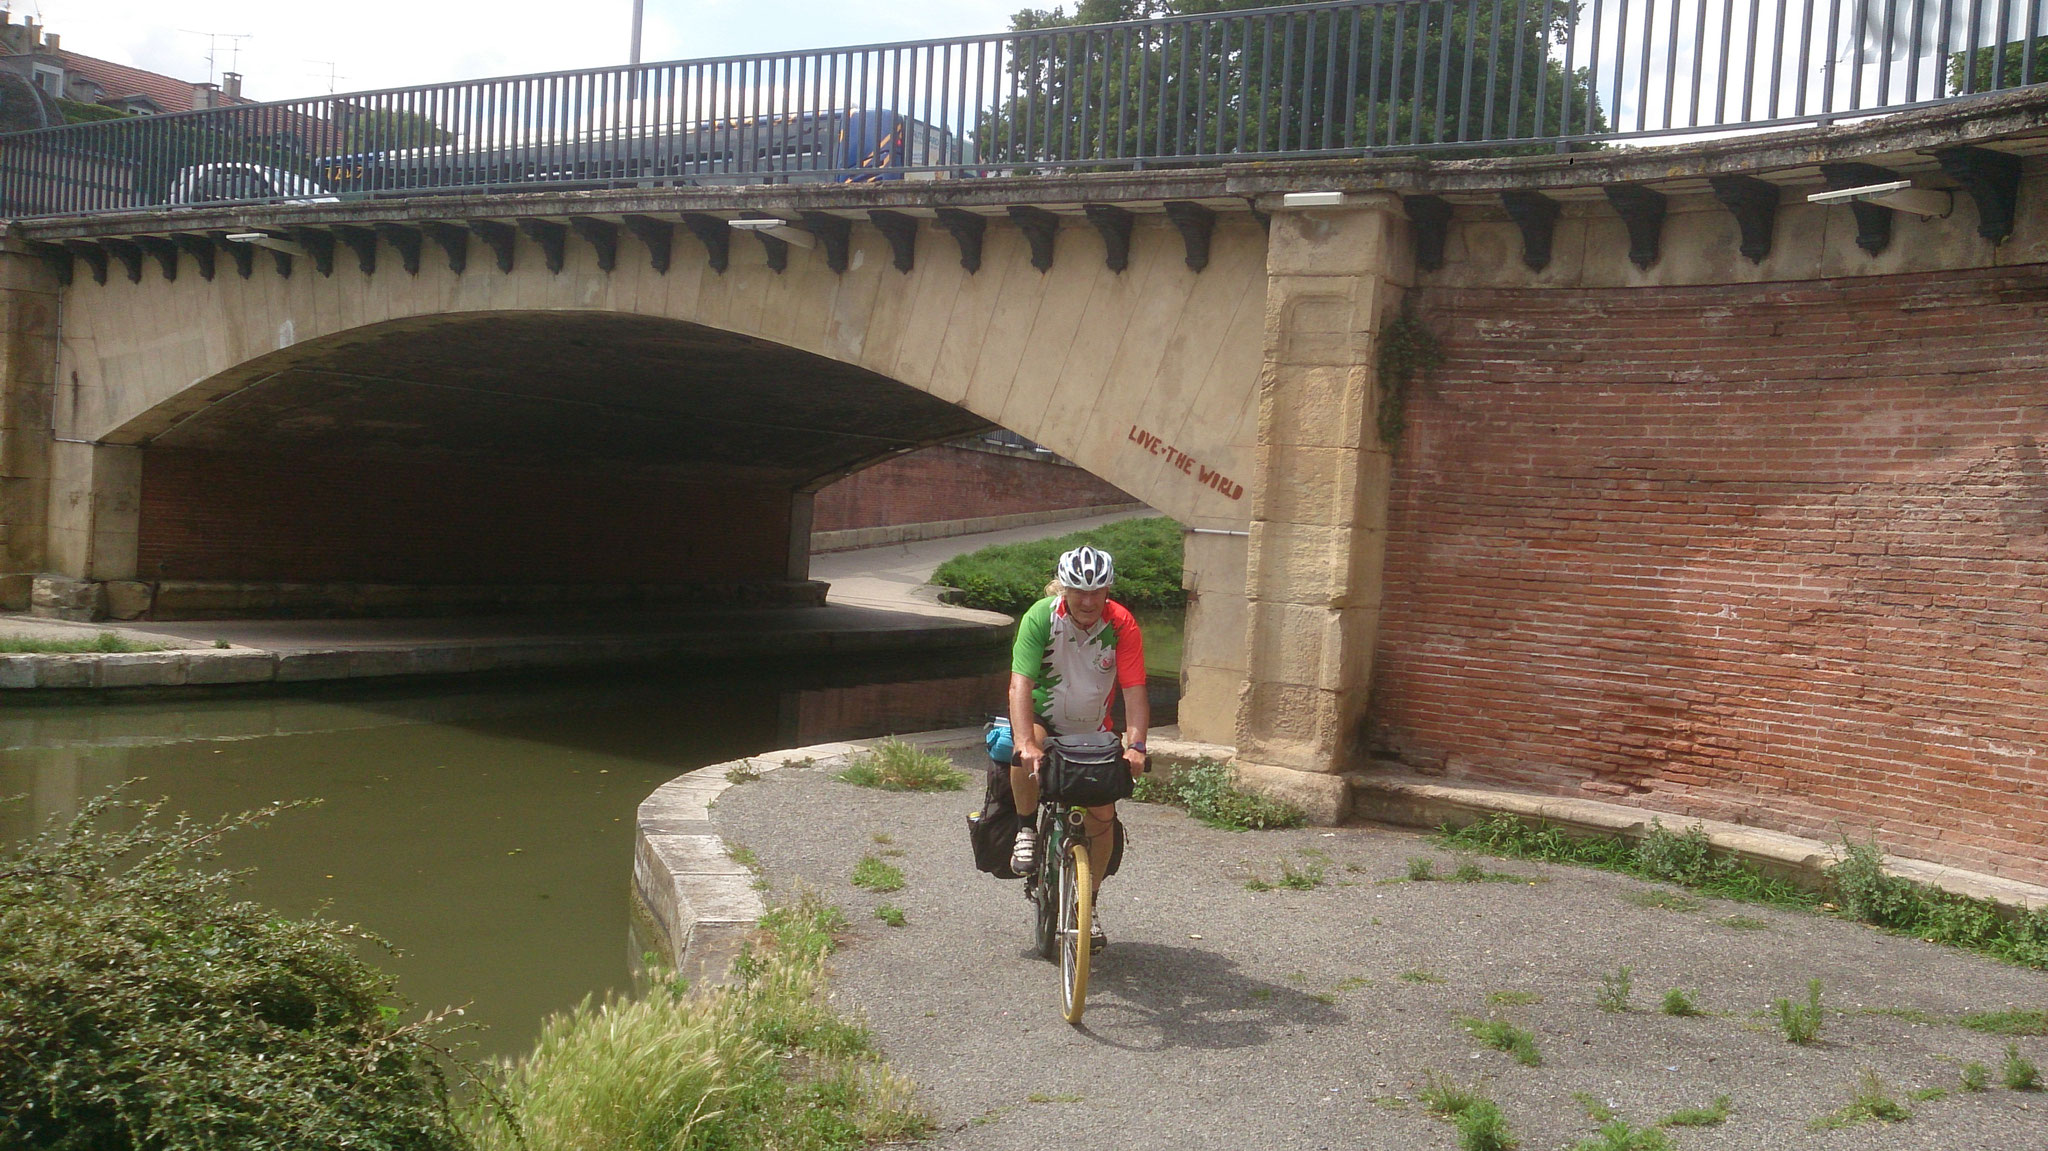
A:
(1619, 541)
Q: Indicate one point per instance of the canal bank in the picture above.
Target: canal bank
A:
(878, 603)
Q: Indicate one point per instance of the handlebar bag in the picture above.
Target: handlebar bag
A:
(1088, 770)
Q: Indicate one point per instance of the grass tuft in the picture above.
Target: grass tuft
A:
(761, 1063)
(1596, 1109)
(1501, 1035)
(1420, 976)
(1514, 998)
(1744, 923)
(1866, 891)
(1662, 899)
(2018, 1072)
(893, 765)
(1421, 869)
(1480, 1124)
(2007, 1022)
(103, 643)
(1870, 1102)
(1712, 1115)
(1800, 1021)
(874, 875)
(1678, 1001)
(891, 914)
(1619, 1136)
(1976, 1076)
(1615, 990)
(1208, 790)
(1672, 857)
(1307, 877)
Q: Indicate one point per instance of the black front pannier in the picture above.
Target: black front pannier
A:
(992, 831)
(1088, 770)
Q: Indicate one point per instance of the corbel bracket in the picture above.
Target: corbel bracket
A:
(361, 241)
(658, 236)
(901, 232)
(1642, 212)
(1196, 223)
(1993, 180)
(1040, 228)
(603, 238)
(130, 254)
(1873, 221)
(716, 236)
(1115, 225)
(406, 242)
(967, 229)
(553, 239)
(499, 237)
(453, 241)
(201, 249)
(1536, 215)
(164, 252)
(835, 232)
(95, 257)
(1429, 226)
(1754, 204)
(244, 255)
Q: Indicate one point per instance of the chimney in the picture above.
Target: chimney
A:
(49, 42)
(231, 84)
(205, 96)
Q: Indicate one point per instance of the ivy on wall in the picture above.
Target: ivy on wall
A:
(1408, 350)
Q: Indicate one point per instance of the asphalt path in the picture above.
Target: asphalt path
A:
(1227, 1018)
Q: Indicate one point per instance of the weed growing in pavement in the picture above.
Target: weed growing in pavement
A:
(105, 642)
(1619, 1136)
(1662, 899)
(1505, 835)
(2007, 1022)
(1042, 1097)
(1351, 983)
(1683, 857)
(1927, 1094)
(1976, 1076)
(883, 838)
(2018, 1072)
(1615, 990)
(1421, 869)
(1480, 1124)
(891, 914)
(1869, 893)
(744, 856)
(1501, 1035)
(1800, 1021)
(1208, 791)
(893, 765)
(1871, 1101)
(742, 774)
(1420, 976)
(1307, 877)
(874, 875)
(1514, 998)
(1712, 1115)
(1597, 1110)
(1679, 1001)
(1744, 923)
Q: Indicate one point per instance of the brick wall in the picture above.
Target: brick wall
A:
(1776, 554)
(948, 483)
(234, 516)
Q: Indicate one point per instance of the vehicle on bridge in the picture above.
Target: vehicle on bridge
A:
(821, 147)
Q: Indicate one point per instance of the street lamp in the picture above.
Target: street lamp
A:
(638, 6)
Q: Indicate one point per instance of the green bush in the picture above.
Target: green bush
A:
(761, 1063)
(1011, 577)
(1209, 792)
(142, 1006)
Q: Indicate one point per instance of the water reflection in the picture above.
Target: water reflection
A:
(485, 830)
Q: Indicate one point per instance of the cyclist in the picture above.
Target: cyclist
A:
(1074, 649)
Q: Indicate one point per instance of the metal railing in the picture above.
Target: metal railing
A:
(1452, 77)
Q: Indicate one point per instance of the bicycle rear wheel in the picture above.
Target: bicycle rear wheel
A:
(1077, 909)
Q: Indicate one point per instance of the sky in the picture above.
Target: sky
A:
(299, 48)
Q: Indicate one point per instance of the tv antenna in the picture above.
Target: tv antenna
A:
(213, 40)
(332, 74)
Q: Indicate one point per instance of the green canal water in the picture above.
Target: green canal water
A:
(484, 829)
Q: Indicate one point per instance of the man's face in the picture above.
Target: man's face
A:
(1085, 607)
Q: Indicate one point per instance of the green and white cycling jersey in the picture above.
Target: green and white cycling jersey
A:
(1075, 671)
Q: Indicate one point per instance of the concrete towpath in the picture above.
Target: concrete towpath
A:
(1233, 1019)
(878, 602)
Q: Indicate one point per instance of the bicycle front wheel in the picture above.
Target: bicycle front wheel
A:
(1077, 909)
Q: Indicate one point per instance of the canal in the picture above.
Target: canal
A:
(485, 829)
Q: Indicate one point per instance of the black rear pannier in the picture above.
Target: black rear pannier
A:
(992, 831)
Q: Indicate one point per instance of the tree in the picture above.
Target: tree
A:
(390, 129)
(1429, 74)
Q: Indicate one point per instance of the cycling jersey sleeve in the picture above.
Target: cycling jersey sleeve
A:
(1034, 634)
(1130, 645)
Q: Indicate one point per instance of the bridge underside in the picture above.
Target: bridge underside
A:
(528, 458)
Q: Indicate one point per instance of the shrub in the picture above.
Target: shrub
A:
(142, 1006)
(761, 1063)
(1011, 577)
(1800, 1021)
(893, 765)
(1681, 857)
(1209, 792)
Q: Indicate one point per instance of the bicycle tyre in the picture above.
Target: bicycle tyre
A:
(1077, 910)
(1045, 897)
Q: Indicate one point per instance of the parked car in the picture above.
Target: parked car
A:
(218, 183)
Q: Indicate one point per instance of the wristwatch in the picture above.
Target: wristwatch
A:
(1138, 745)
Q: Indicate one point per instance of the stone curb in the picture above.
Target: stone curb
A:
(197, 667)
(701, 901)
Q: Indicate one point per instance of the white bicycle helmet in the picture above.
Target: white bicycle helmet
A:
(1086, 568)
